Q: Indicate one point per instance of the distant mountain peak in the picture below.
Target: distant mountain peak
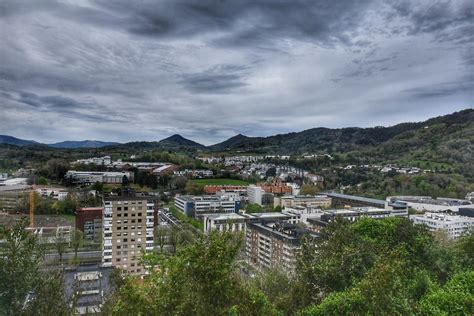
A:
(178, 140)
(6, 139)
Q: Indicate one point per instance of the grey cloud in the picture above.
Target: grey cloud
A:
(210, 69)
(246, 22)
(450, 20)
(217, 80)
(464, 86)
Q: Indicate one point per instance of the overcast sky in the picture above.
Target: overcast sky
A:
(144, 70)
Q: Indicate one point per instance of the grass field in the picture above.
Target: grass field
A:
(220, 182)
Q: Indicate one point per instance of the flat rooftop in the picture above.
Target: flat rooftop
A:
(356, 198)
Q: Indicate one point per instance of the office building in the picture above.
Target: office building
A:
(453, 225)
(254, 194)
(128, 221)
(197, 206)
(314, 201)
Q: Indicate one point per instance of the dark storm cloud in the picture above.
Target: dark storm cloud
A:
(245, 22)
(62, 105)
(210, 69)
(449, 20)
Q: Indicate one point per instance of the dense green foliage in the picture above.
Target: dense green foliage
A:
(371, 267)
(25, 289)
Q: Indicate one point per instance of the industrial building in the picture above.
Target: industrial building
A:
(344, 200)
(91, 177)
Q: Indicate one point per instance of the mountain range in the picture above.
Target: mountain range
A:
(452, 128)
(10, 140)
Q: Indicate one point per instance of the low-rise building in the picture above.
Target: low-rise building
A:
(195, 173)
(197, 206)
(213, 189)
(344, 200)
(314, 201)
(91, 177)
(428, 204)
(11, 197)
(453, 225)
(353, 214)
(89, 221)
(225, 222)
(56, 193)
(239, 222)
(14, 181)
(301, 214)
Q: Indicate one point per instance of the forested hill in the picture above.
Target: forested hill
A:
(456, 128)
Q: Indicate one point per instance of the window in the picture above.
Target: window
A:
(125, 240)
(119, 208)
(125, 208)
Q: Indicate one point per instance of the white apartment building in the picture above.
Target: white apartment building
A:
(127, 229)
(455, 226)
(254, 194)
